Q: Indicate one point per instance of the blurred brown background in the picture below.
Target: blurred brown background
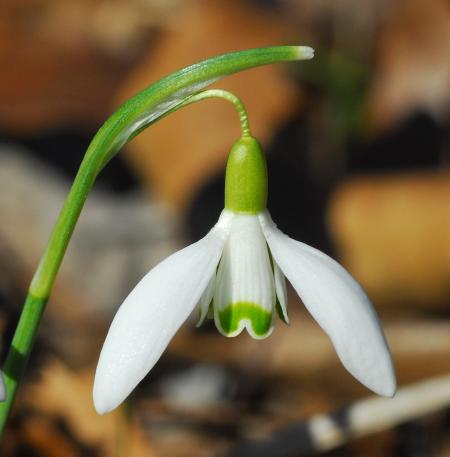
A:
(357, 142)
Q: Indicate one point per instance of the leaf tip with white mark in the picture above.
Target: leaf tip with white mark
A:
(305, 52)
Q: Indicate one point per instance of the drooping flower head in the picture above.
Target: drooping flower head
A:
(237, 271)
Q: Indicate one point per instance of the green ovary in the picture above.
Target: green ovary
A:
(246, 177)
(259, 318)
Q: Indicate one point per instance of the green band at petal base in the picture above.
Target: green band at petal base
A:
(259, 320)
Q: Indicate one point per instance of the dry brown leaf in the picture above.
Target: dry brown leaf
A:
(54, 72)
(41, 434)
(68, 394)
(413, 64)
(393, 231)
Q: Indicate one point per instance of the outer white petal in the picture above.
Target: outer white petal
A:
(339, 305)
(2, 387)
(151, 314)
(244, 294)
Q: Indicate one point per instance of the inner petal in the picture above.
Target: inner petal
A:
(244, 295)
(281, 292)
(205, 301)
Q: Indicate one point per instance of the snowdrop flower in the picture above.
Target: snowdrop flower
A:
(237, 272)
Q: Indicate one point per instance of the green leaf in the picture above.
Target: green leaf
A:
(155, 101)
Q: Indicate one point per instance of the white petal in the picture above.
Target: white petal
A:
(2, 387)
(205, 300)
(281, 291)
(151, 314)
(339, 305)
(244, 294)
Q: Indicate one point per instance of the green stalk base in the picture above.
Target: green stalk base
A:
(19, 352)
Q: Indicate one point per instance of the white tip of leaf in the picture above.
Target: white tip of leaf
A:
(340, 307)
(305, 52)
(150, 316)
(2, 387)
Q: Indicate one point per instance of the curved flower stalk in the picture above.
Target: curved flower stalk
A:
(144, 109)
(238, 272)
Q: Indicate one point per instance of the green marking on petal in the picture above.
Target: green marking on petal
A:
(259, 319)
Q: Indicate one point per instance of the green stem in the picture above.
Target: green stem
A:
(145, 108)
(19, 351)
(225, 95)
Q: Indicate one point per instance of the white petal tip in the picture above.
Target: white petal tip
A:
(378, 375)
(100, 410)
(387, 390)
(305, 52)
(102, 404)
(383, 383)
(106, 394)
